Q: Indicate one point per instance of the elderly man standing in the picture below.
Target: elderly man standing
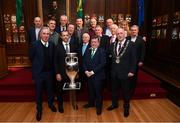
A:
(41, 56)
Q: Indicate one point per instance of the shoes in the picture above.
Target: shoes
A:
(60, 108)
(53, 108)
(126, 112)
(38, 116)
(88, 106)
(112, 107)
(98, 111)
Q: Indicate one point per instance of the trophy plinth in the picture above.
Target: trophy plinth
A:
(72, 69)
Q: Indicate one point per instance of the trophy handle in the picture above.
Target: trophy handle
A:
(76, 59)
(66, 59)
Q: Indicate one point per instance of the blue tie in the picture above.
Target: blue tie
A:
(83, 49)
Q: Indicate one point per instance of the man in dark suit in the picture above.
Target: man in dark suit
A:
(72, 37)
(42, 58)
(123, 67)
(62, 48)
(63, 24)
(140, 53)
(83, 48)
(104, 43)
(94, 67)
(104, 39)
(80, 30)
(34, 31)
(107, 30)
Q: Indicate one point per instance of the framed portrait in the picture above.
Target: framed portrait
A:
(175, 33)
(154, 22)
(176, 17)
(114, 17)
(128, 18)
(165, 20)
(158, 33)
(163, 33)
(159, 20)
(153, 34)
(53, 9)
(120, 17)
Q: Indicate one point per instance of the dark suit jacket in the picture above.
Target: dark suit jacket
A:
(95, 64)
(74, 41)
(104, 42)
(59, 61)
(83, 30)
(127, 61)
(37, 57)
(140, 48)
(80, 56)
(31, 35)
(58, 29)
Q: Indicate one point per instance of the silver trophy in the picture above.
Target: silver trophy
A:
(71, 63)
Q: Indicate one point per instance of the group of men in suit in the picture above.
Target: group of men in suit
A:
(114, 57)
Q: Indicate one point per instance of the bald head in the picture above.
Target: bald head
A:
(37, 22)
(120, 33)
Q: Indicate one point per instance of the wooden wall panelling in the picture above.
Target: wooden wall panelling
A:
(3, 61)
(17, 52)
(103, 7)
(163, 54)
(1, 24)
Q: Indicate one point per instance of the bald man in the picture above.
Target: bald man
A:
(34, 30)
(123, 66)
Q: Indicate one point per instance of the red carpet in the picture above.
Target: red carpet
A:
(18, 86)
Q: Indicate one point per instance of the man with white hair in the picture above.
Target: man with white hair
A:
(42, 58)
(63, 24)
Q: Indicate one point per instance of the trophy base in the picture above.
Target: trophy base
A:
(76, 86)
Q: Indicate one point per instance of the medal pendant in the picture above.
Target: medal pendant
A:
(117, 60)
